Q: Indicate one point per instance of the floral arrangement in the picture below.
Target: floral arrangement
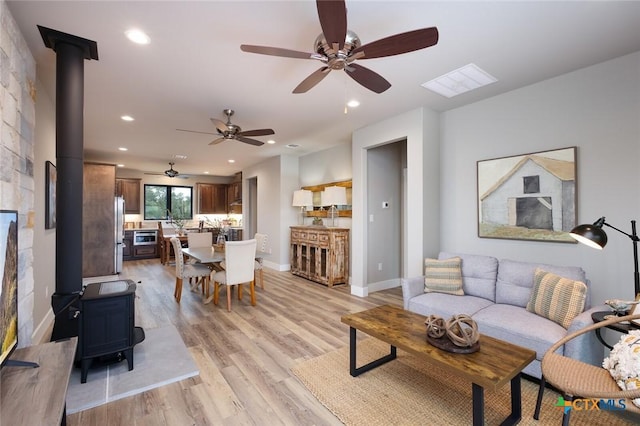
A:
(177, 221)
(623, 362)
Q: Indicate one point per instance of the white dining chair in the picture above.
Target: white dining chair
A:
(201, 272)
(261, 247)
(239, 269)
(199, 239)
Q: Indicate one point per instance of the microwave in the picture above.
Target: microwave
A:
(144, 238)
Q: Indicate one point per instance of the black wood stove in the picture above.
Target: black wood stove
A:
(106, 329)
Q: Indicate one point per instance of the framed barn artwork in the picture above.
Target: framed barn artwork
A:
(528, 197)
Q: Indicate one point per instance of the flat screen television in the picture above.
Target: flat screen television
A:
(9, 289)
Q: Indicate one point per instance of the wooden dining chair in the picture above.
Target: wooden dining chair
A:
(239, 269)
(261, 246)
(198, 271)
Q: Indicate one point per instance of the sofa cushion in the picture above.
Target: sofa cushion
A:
(556, 298)
(478, 274)
(446, 305)
(515, 280)
(443, 276)
(520, 327)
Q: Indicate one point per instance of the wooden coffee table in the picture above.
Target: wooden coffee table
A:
(496, 363)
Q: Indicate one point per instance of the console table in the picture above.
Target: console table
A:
(37, 396)
(320, 254)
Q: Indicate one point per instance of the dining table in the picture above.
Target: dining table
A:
(212, 256)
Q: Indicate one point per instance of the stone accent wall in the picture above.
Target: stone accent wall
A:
(17, 110)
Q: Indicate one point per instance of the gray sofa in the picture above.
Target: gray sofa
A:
(496, 293)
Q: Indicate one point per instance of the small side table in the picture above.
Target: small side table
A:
(622, 328)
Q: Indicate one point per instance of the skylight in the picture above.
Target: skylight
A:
(460, 81)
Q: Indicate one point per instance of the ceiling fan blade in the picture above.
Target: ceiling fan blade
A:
(221, 126)
(369, 79)
(399, 43)
(276, 51)
(333, 20)
(313, 79)
(249, 140)
(195, 131)
(216, 141)
(257, 132)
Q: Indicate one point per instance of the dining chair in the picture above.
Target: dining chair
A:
(199, 239)
(201, 272)
(239, 269)
(574, 378)
(262, 247)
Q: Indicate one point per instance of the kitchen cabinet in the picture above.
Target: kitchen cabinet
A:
(212, 198)
(127, 249)
(129, 189)
(320, 254)
(234, 197)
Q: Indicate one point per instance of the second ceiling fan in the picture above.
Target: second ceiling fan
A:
(229, 130)
(337, 48)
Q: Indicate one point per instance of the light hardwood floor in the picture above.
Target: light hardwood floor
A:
(244, 356)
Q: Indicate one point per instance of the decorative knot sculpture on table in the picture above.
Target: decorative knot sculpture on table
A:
(457, 334)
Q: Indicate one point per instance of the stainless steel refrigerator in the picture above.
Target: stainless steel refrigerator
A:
(119, 233)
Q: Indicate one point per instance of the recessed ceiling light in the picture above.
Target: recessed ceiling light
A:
(120, 165)
(459, 81)
(180, 157)
(231, 161)
(122, 148)
(127, 118)
(292, 145)
(137, 36)
(353, 103)
(271, 141)
(206, 173)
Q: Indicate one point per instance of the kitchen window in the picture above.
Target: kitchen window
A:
(159, 200)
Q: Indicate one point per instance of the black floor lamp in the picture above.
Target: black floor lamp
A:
(595, 237)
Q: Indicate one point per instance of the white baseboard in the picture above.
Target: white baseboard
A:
(42, 333)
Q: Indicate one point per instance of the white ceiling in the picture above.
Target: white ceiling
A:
(194, 67)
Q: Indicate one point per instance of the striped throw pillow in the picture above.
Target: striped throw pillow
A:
(556, 298)
(443, 276)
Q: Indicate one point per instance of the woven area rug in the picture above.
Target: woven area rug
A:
(405, 391)
(162, 358)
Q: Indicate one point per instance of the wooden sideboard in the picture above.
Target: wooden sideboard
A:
(37, 396)
(320, 254)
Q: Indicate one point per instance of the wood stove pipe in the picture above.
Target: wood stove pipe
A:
(71, 51)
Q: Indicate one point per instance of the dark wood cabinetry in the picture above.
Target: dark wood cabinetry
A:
(212, 198)
(132, 251)
(129, 189)
(127, 249)
(234, 197)
(98, 220)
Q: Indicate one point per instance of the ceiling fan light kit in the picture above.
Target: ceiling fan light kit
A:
(338, 48)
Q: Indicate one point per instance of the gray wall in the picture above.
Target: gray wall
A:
(385, 184)
(596, 109)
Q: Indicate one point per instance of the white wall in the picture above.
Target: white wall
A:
(329, 165)
(276, 178)
(44, 240)
(419, 127)
(596, 109)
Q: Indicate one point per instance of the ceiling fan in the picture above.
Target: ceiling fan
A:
(229, 130)
(170, 172)
(338, 48)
